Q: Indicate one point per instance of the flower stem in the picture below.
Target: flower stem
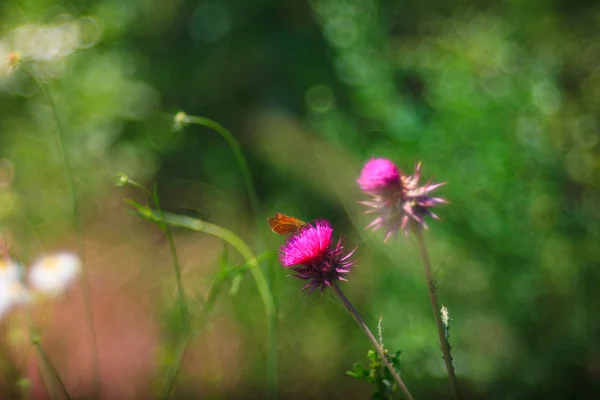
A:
(255, 204)
(163, 226)
(50, 367)
(372, 338)
(78, 229)
(186, 338)
(257, 273)
(436, 313)
(173, 371)
(176, 265)
(198, 225)
(239, 155)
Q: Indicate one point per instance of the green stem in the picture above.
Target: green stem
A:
(255, 204)
(176, 265)
(51, 368)
(173, 371)
(25, 389)
(9, 371)
(257, 273)
(231, 238)
(186, 337)
(78, 229)
(239, 155)
(436, 313)
(374, 341)
(185, 340)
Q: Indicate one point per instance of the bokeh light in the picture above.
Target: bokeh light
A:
(498, 100)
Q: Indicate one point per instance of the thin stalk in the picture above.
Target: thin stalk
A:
(436, 313)
(257, 273)
(198, 225)
(47, 380)
(176, 265)
(255, 204)
(173, 371)
(239, 155)
(79, 230)
(163, 225)
(9, 371)
(25, 389)
(342, 297)
(51, 368)
(185, 340)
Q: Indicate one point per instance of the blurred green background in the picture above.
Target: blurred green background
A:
(498, 98)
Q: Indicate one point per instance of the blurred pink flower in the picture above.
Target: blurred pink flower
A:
(379, 176)
(397, 205)
(309, 253)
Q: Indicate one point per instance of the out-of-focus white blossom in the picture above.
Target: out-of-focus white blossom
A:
(45, 42)
(52, 273)
(44, 46)
(49, 274)
(9, 58)
(9, 271)
(12, 294)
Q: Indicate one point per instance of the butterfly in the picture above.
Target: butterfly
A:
(282, 224)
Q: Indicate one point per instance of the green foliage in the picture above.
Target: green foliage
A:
(499, 99)
(377, 374)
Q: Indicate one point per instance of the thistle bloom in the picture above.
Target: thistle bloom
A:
(52, 273)
(397, 199)
(379, 176)
(311, 255)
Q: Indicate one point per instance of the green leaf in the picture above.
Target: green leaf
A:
(142, 210)
(358, 371)
(235, 284)
(372, 355)
(395, 360)
(199, 225)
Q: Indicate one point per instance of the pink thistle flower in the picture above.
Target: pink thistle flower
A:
(311, 255)
(308, 245)
(379, 176)
(402, 206)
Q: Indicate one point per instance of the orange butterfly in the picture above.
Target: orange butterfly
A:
(282, 224)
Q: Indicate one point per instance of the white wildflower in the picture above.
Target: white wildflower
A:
(52, 273)
(45, 42)
(9, 271)
(12, 294)
(9, 58)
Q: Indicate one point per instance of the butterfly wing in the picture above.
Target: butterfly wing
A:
(282, 224)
